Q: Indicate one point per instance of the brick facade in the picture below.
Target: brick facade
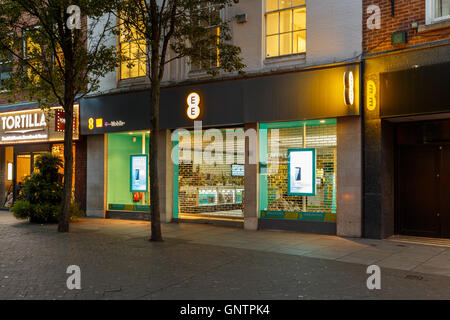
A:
(406, 13)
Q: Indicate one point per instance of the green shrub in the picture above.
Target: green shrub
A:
(40, 196)
(22, 209)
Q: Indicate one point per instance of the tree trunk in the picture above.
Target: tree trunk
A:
(156, 234)
(64, 217)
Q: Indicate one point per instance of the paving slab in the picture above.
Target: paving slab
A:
(118, 262)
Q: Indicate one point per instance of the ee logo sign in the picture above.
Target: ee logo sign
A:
(193, 110)
(91, 124)
(349, 88)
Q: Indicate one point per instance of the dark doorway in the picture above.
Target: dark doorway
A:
(423, 180)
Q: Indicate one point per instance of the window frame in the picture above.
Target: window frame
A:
(430, 7)
(217, 29)
(4, 64)
(129, 42)
(279, 33)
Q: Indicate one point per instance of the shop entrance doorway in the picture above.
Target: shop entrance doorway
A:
(423, 188)
(25, 164)
(24, 160)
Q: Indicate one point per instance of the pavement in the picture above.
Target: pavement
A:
(209, 262)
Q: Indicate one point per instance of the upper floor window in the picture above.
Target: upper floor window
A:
(207, 57)
(285, 27)
(133, 48)
(5, 70)
(6, 67)
(438, 10)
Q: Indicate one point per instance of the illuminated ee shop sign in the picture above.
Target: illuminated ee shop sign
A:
(193, 110)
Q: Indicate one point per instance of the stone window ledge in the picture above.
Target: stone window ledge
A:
(434, 26)
(286, 58)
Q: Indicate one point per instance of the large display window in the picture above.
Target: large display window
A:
(212, 187)
(298, 170)
(128, 181)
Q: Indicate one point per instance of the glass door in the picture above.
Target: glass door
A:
(24, 160)
(23, 167)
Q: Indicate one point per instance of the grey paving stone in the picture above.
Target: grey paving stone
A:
(118, 262)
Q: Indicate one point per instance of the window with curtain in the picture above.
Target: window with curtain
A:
(285, 27)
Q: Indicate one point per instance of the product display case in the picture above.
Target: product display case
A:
(211, 196)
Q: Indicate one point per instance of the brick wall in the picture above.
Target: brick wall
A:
(406, 12)
(80, 172)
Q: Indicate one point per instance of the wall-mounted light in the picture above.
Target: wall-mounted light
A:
(10, 171)
(241, 18)
(349, 88)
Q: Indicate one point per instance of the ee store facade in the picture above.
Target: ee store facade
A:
(279, 151)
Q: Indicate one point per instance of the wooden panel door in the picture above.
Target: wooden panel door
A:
(445, 191)
(418, 190)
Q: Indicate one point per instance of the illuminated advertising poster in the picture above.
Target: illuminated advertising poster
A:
(301, 172)
(139, 176)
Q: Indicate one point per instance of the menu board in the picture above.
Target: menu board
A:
(139, 175)
(302, 172)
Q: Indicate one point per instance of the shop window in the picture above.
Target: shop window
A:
(206, 58)
(285, 27)
(212, 187)
(437, 10)
(133, 47)
(122, 148)
(276, 198)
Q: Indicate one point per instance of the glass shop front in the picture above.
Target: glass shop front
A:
(128, 178)
(298, 170)
(209, 175)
